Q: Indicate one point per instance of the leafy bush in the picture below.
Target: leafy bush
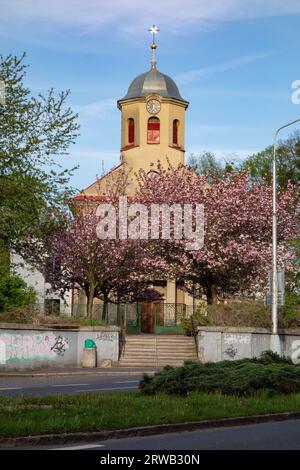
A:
(246, 313)
(52, 320)
(270, 373)
(14, 292)
(270, 357)
(86, 321)
(198, 318)
(292, 304)
(24, 314)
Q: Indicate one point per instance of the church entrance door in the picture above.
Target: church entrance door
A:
(147, 317)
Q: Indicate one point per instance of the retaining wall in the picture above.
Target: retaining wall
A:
(31, 346)
(219, 343)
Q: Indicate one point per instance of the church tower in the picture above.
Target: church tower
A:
(152, 128)
(153, 119)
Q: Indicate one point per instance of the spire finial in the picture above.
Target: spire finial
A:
(153, 30)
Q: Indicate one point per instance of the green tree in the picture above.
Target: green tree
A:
(259, 164)
(35, 133)
(206, 164)
(14, 292)
(293, 271)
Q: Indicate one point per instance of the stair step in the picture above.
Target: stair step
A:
(158, 339)
(177, 346)
(177, 356)
(155, 358)
(153, 364)
(157, 351)
(161, 341)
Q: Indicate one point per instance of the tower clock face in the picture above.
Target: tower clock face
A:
(153, 106)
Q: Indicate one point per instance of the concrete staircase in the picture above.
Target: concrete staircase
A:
(157, 350)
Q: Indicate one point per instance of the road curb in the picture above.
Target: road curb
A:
(73, 438)
(70, 374)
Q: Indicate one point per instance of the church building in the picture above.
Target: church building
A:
(152, 130)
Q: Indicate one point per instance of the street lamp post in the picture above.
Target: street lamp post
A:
(274, 235)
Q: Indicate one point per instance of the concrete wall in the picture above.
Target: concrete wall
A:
(106, 340)
(30, 346)
(218, 343)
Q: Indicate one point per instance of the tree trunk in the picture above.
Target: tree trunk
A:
(105, 307)
(119, 315)
(211, 294)
(90, 302)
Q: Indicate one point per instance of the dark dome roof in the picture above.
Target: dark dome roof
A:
(153, 81)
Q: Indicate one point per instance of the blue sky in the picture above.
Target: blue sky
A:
(234, 60)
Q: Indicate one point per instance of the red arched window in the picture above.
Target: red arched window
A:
(130, 131)
(175, 131)
(153, 130)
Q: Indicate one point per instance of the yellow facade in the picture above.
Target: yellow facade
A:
(140, 154)
(144, 155)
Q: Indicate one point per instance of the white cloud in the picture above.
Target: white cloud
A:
(93, 153)
(192, 75)
(223, 128)
(97, 109)
(247, 94)
(92, 162)
(133, 16)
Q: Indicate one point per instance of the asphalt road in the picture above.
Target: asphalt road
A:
(42, 386)
(284, 435)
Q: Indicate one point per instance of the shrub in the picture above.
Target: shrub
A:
(198, 318)
(250, 313)
(270, 357)
(270, 373)
(91, 322)
(292, 304)
(245, 313)
(14, 292)
(24, 314)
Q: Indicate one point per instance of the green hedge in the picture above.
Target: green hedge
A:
(244, 377)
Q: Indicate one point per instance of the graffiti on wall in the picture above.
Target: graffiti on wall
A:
(233, 338)
(231, 351)
(106, 336)
(232, 341)
(30, 347)
(60, 345)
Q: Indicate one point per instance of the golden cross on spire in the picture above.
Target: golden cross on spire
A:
(153, 30)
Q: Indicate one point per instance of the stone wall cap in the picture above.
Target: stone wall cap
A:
(62, 327)
(234, 329)
(100, 328)
(240, 329)
(31, 326)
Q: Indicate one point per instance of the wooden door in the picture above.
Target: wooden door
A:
(147, 317)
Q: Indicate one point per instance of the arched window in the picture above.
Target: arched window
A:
(152, 174)
(175, 131)
(130, 131)
(153, 130)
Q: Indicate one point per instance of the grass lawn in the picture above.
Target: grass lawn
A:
(104, 411)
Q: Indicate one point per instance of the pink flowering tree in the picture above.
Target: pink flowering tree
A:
(111, 270)
(236, 255)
